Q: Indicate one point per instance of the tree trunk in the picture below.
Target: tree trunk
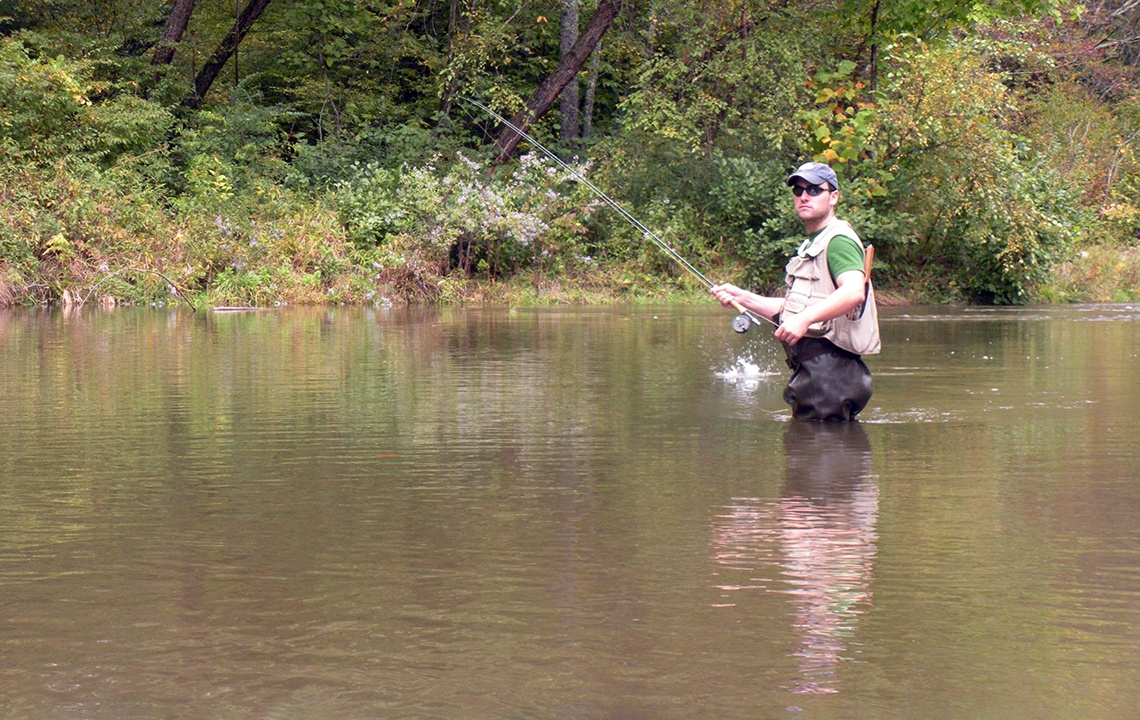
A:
(591, 90)
(873, 64)
(456, 24)
(566, 71)
(209, 72)
(172, 35)
(569, 104)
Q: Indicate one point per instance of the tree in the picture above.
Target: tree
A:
(591, 93)
(209, 72)
(566, 71)
(172, 34)
(569, 104)
(931, 19)
(456, 23)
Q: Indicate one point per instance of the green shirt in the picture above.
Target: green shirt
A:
(843, 255)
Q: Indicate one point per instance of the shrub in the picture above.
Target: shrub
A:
(460, 219)
(53, 108)
(988, 218)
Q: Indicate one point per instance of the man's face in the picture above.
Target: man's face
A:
(813, 209)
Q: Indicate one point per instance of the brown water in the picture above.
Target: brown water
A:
(586, 513)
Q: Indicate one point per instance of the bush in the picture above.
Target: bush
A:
(988, 218)
(53, 108)
(752, 203)
(459, 219)
(235, 150)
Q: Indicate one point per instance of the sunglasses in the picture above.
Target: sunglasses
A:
(812, 190)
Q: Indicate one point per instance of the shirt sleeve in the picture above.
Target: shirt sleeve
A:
(843, 254)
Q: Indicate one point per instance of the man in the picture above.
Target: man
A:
(828, 317)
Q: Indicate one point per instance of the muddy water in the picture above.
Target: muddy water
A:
(585, 513)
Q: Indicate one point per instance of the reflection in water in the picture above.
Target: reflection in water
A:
(468, 513)
(821, 533)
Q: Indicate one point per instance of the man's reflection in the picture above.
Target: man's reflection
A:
(821, 533)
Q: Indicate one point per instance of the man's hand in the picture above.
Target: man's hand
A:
(734, 297)
(726, 294)
(792, 330)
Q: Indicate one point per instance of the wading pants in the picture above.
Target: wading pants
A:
(828, 383)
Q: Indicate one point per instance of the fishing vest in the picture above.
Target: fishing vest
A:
(809, 282)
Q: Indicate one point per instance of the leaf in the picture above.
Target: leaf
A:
(58, 245)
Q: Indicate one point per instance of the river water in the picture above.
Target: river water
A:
(564, 513)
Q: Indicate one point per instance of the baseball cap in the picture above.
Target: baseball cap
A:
(815, 173)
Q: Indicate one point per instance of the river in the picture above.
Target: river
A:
(564, 513)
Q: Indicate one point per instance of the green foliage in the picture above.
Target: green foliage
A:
(721, 76)
(231, 150)
(330, 164)
(457, 218)
(40, 100)
(53, 107)
(391, 145)
(1093, 146)
(753, 204)
(74, 151)
(20, 228)
(934, 18)
(1099, 274)
(988, 218)
(349, 66)
(843, 129)
(703, 154)
(370, 205)
(82, 175)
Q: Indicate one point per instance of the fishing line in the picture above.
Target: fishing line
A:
(740, 323)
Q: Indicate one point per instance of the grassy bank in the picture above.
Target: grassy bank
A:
(1096, 274)
(73, 237)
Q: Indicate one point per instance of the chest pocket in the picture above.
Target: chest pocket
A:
(803, 275)
(801, 268)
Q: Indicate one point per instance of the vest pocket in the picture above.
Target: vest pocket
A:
(802, 268)
(793, 307)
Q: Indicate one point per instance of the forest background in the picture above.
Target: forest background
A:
(264, 152)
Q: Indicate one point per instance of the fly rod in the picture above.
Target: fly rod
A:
(740, 323)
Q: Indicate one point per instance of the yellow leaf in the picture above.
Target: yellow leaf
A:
(831, 155)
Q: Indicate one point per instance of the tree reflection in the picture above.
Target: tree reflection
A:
(820, 533)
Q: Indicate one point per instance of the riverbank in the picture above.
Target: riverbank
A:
(72, 236)
(1095, 275)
